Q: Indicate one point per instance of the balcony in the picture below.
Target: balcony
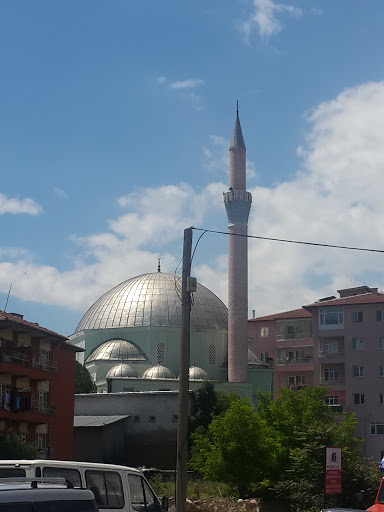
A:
(332, 382)
(44, 408)
(43, 364)
(288, 361)
(23, 359)
(331, 355)
(294, 336)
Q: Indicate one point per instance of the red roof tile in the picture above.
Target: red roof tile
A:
(295, 313)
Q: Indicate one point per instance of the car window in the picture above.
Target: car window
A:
(73, 475)
(107, 488)
(142, 497)
(17, 507)
(11, 472)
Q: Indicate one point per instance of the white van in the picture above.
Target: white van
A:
(115, 487)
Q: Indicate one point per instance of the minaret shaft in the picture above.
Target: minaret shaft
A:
(237, 204)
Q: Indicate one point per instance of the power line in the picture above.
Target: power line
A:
(290, 241)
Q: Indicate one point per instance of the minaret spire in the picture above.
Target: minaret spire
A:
(237, 204)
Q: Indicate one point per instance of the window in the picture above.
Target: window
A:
(377, 429)
(358, 371)
(152, 419)
(331, 347)
(136, 419)
(381, 371)
(41, 441)
(175, 418)
(263, 356)
(357, 316)
(358, 398)
(73, 475)
(331, 318)
(380, 315)
(264, 332)
(23, 437)
(357, 344)
(107, 488)
(380, 343)
(381, 398)
(142, 497)
(42, 401)
(330, 374)
(296, 379)
(211, 354)
(160, 355)
(331, 400)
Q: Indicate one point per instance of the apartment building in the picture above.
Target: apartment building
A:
(37, 385)
(336, 342)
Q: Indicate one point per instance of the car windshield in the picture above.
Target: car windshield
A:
(50, 506)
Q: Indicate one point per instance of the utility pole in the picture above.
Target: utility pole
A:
(182, 430)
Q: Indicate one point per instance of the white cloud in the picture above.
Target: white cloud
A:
(161, 79)
(15, 206)
(186, 84)
(264, 18)
(59, 192)
(335, 198)
(216, 158)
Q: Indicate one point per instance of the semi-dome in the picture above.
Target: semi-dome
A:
(153, 300)
(119, 349)
(196, 373)
(122, 370)
(158, 372)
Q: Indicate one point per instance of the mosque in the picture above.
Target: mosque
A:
(131, 334)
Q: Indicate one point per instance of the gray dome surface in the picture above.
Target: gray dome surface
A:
(158, 372)
(117, 349)
(196, 373)
(122, 370)
(153, 299)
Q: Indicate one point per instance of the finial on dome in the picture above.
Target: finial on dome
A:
(237, 136)
(158, 265)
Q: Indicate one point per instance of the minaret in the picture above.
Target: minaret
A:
(237, 205)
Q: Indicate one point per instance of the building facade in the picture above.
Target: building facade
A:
(336, 342)
(37, 385)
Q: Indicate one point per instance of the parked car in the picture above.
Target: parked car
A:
(378, 506)
(44, 495)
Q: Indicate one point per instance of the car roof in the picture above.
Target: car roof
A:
(19, 493)
(66, 463)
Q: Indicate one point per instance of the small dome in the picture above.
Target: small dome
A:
(196, 373)
(122, 370)
(118, 349)
(253, 359)
(158, 372)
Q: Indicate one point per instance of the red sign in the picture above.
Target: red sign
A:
(333, 470)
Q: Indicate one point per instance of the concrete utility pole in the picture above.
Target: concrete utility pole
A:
(182, 430)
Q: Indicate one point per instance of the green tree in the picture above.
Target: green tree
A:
(12, 448)
(83, 380)
(237, 448)
(205, 404)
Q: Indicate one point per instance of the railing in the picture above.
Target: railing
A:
(294, 336)
(44, 408)
(287, 361)
(331, 354)
(11, 356)
(43, 364)
(332, 382)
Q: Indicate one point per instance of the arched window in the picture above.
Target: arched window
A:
(211, 354)
(160, 353)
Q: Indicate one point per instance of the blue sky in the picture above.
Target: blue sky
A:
(115, 123)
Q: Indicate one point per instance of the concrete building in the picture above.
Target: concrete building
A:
(335, 342)
(37, 385)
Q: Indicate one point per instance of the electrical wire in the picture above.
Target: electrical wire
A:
(288, 241)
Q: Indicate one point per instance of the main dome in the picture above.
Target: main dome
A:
(153, 300)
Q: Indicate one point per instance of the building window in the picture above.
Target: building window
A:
(175, 418)
(296, 379)
(152, 419)
(160, 353)
(211, 354)
(377, 429)
(331, 400)
(331, 318)
(23, 437)
(358, 371)
(41, 441)
(330, 374)
(381, 398)
(380, 315)
(331, 347)
(264, 332)
(381, 371)
(357, 344)
(136, 419)
(380, 343)
(357, 316)
(263, 356)
(358, 398)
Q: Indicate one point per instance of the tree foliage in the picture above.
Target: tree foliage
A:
(11, 447)
(83, 380)
(278, 451)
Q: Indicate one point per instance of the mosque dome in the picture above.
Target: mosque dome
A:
(196, 373)
(122, 370)
(158, 372)
(116, 349)
(153, 300)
